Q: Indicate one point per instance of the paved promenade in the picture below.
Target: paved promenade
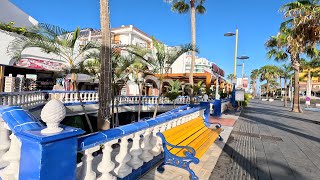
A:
(270, 142)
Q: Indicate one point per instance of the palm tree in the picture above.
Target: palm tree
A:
(269, 74)
(173, 91)
(230, 77)
(254, 76)
(120, 73)
(159, 61)
(105, 68)
(55, 40)
(312, 71)
(303, 17)
(300, 32)
(195, 6)
(286, 72)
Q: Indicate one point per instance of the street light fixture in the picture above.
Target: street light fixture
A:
(229, 34)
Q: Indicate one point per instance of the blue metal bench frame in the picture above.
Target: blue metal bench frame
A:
(178, 161)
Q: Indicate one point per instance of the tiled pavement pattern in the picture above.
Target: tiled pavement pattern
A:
(270, 142)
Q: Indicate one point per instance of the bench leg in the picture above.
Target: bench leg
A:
(160, 168)
(220, 138)
(193, 175)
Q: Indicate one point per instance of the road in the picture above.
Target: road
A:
(270, 142)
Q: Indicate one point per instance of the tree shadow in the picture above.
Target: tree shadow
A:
(257, 172)
(281, 127)
(277, 113)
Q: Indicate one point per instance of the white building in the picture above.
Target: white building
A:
(122, 36)
(9, 12)
(183, 64)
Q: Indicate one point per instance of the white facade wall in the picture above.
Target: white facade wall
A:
(9, 12)
(183, 64)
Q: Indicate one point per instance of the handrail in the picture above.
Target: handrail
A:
(91, 140)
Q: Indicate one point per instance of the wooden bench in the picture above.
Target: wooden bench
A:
(186, 143)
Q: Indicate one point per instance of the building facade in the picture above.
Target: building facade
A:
(183, 64)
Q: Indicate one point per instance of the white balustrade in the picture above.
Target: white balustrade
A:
(106, 165)
(121, 161)
(12, 156)
(156, 141)
(4, 142)
(87, 172)
(136, 151)
(146, 146)
(122, 170)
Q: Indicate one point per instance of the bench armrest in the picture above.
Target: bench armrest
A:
(174, 146)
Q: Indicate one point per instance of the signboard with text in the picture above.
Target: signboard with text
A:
(239, 96)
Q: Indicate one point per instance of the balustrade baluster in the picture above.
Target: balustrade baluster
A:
(12, 156)
(122, 170)
(87, 172)
(66, 97)
(5, 100)
(106, 165)
(146, 156)
(10, 100)
(156, 141)
(4, 141)
(136, 151)
(14, 100)
(76, 97)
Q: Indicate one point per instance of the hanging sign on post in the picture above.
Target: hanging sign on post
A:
(239, 95)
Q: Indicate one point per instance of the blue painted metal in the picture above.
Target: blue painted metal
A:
(206, 106)
(177, 161)
(217, 108)
(48, 157)
(233, 96)
(19, 119)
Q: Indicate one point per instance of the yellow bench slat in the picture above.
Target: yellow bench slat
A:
(205, 146)
(195, 141)
(182, 129)
(193, 136)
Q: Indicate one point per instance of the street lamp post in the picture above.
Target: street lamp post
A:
(228, 34)
(234, 65)
(243, 58)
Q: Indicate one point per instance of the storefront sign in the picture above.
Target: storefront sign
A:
(41, 64)
(217, 70)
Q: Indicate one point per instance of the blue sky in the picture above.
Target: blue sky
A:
(256, 20)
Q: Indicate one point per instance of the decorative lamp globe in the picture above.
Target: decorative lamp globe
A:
(52, 114)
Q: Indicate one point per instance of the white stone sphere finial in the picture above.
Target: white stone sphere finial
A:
(52, 114)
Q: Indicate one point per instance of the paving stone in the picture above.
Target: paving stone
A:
(296, 156)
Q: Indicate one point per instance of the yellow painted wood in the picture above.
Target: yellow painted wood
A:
(188, 139)
(180, 130)
(204, 147)
(193, 134)
(194, 140)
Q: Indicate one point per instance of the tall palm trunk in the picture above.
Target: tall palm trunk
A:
(280, 86)
(140, 99)
(105, 68)
(193, 42)
(267, 93)
(285, 92)
(309, 84)
(254, 88)
(296, 103)
(158, 100)
(117, 112)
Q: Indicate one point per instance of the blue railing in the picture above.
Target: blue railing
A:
(53, 156)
